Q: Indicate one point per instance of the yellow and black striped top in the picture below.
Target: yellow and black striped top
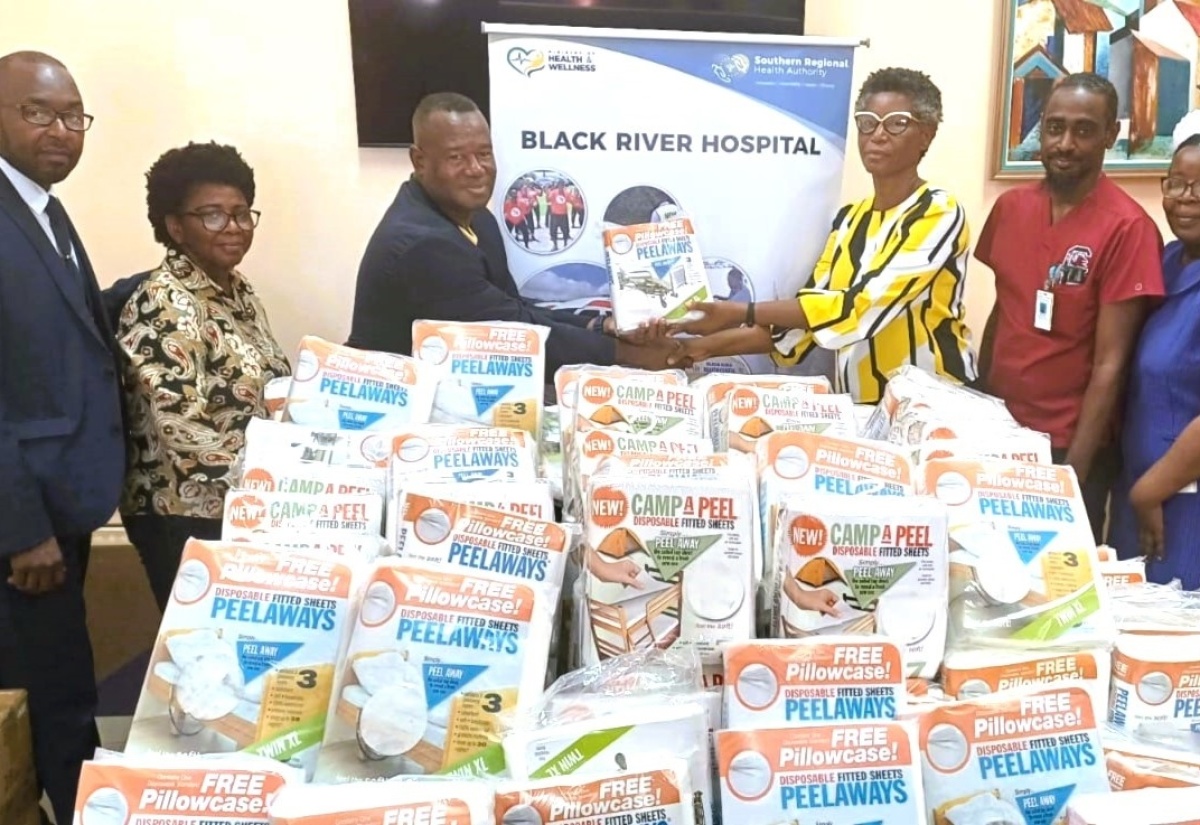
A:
(887, 292)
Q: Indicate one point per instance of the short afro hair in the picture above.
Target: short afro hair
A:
(925, 96)
(1095, 84)
(178, 171)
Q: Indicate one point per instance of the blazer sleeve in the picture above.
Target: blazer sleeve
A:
(26, 522)
(443, 284)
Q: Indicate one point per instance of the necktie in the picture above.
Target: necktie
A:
(60, 226)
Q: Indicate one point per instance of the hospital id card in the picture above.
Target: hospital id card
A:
(1043, 310)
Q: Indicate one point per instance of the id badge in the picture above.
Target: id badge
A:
(1043, 310)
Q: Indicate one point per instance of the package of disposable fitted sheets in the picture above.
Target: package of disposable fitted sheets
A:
(748, 413)
(1155, 682)
(460, 455)
(1133, 765)
(440, 662)
(624, 740)
(917, 404)
(632, 405)
(567, 381)
(355, 545)
(285, 475)
(655, 271)
(799, 465)
(532, 499)
(970, 672)
(342, 388)
(669, 561)
(596, 446)
(818, 680)
(212, 789)
(716, 387)
(472, 539)
(411, 801)
(1011, 758)
(849, 568)
(245, 657)
(272, 443)
(840, 774)
(1023, 565)
(653, 795)
(488, 374)
(1160, 806)
(1008, 443)
(249, 513)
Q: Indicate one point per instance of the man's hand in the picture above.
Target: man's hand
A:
(707, 317)
(691, 351)
(38, 570)
(654, 354)
(1149, 512)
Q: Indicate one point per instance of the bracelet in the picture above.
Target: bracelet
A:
(749, 314)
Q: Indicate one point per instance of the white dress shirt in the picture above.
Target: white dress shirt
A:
(35, 197)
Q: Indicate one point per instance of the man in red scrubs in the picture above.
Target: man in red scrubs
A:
(1077, 264)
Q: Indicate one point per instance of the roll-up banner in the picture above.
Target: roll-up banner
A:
(744, 135)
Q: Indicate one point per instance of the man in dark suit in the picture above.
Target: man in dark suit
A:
(62, 453)
(439, 254)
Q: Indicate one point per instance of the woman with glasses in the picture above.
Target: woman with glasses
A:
(199, 351)
(888, 289)
(1156, 509)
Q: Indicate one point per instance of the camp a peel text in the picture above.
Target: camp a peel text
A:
(675, 142)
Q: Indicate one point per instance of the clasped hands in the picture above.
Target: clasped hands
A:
(657, 344)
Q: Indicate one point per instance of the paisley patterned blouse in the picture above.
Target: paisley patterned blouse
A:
(197, 359)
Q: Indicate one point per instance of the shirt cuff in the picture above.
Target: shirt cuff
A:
(822, 307)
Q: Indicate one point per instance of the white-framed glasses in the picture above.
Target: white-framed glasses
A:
(894, 123)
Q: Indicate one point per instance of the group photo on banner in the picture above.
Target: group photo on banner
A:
(739, 141)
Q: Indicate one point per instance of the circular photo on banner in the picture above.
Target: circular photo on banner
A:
(641, 204)
(727, 281)
(579, 286)
(544, 212)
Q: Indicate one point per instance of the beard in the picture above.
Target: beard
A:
(1065, 182)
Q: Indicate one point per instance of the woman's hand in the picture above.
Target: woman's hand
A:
(707, 317)
(1149, 512)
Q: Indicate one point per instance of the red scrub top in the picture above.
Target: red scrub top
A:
(1105, 250)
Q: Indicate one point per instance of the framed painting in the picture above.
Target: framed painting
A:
(1149, 49)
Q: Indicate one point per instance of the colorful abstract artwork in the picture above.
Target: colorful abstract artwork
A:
(1149, 49)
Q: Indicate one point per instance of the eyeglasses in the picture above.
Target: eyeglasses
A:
(1178, 187)
(44, 116)
(217, 221)
(894, 123)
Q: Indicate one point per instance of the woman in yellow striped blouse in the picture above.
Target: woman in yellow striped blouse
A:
(888, 289)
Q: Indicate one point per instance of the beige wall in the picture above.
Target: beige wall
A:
(273, 77)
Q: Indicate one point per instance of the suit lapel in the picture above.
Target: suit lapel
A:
(11, 202)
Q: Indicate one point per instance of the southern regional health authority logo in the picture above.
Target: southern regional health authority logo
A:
(729, 67)
(526, 61)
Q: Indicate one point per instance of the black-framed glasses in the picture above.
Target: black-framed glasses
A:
(894, 123)
(45, 116)
(216, 221)
(1173, 187)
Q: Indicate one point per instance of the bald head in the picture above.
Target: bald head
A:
(35, 91)
(28, 58)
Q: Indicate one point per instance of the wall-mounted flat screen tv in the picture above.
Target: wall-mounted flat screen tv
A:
(406, 49)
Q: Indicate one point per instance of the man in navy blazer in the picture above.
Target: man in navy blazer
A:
(438, 254)
(62, 453)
